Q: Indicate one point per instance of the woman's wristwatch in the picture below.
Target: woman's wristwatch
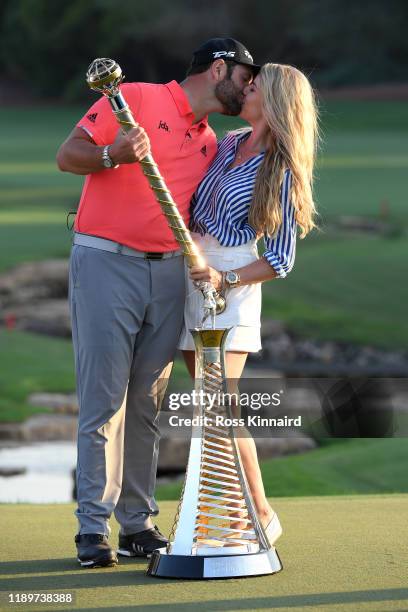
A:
(231, 279)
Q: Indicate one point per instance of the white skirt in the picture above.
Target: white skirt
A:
(243, 311)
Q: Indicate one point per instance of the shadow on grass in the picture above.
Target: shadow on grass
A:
(269, 603)
(60, 574)
(56, 574)
(65, 574)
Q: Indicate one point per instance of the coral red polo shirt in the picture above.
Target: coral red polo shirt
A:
(119, 204)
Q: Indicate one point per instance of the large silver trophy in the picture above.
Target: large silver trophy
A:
(205, 541)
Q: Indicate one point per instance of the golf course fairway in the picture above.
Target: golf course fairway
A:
(343, 553)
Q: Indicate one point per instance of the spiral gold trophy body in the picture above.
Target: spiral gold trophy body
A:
(204, 542)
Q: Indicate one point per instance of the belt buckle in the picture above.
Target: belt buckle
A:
(153, 255)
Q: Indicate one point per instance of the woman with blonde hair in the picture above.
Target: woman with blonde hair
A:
(259, 184)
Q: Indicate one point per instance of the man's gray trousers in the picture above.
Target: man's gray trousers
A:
(127, 314)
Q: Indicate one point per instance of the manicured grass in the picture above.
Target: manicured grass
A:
(347, 289)
(363, 158)
(35, 197)
(340, 467)
(22, 242)
(340, 554)
(344, 288)
(31, 363)
(330, 293)
(364, 116)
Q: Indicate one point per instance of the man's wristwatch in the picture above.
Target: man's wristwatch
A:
(107, 161)
(232, 279)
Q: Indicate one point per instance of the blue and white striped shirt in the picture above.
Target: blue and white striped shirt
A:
(221, 204)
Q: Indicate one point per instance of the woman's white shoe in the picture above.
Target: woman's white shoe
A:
(273, 529)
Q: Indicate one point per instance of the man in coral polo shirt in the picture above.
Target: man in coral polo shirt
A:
(127, 286)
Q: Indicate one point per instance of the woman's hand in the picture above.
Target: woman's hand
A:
(207, 274)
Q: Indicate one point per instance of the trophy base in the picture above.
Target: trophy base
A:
(164, 565)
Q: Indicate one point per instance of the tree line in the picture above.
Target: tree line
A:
(48, 44)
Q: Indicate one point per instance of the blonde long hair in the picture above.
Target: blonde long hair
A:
(290, 110)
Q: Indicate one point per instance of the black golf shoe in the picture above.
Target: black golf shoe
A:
(94, 550)
(141, 544)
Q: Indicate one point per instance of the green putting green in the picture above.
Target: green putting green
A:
(339, 553)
